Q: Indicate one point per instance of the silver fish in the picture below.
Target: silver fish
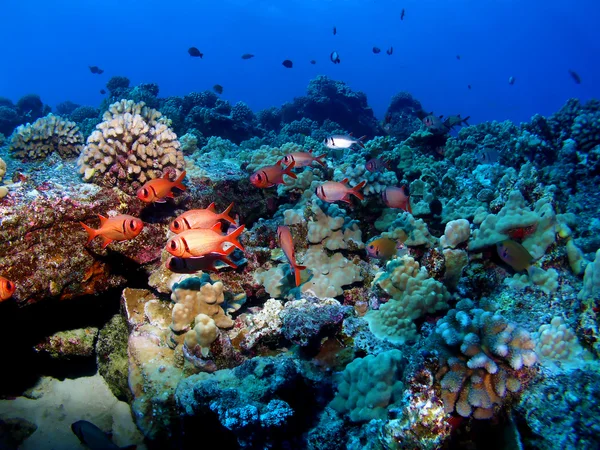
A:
(343, 141)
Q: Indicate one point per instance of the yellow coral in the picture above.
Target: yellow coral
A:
(45, 136)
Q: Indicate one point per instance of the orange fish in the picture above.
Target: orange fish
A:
(287, 245)
(158, 189)
(332, 191)
(200, 218)
(397, 197)
(269, 176)
(201, 242)
(204, 263)
(304, 159)
(117, 228)
(7, 289)
(385, 248)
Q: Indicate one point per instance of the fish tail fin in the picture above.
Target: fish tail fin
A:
(178, 182)
(408, 207)
(360, 141)
(319, 159)
(297, 269)
(355, 190)
(288, 170)
(465, 120)
(225, 214)
(226, 260)
(90, 231)
(232, 237)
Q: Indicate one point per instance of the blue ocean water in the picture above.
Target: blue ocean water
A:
(49, 46)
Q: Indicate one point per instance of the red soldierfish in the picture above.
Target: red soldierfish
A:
(397, 197)
(200, 218)
(7, 289)
(117, 228)
(303, 159)
(158, 189)
(333, 191)
(201, 242)
(287, 245)
(377, 165)
(204, 263)
(270, 176)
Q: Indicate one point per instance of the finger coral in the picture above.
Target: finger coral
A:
(492, 352)
(133, 144)
(45, 136)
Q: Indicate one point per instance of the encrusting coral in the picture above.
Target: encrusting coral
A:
(132, 145)
(45, 136)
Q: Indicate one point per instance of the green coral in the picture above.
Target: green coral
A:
(111, 356)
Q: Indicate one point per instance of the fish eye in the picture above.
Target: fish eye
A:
(9, 285)
(173, 245)
(132, 225)
(176, 224)
(371, 247)
(145, 192)
(259, 177)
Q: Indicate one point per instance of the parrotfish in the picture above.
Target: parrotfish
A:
(343, 141)
(205, 263)
(117, 228)
(269, 176)
(200, 218)
(287, 245)
(93, 437)
(397, 197)
(514, 254)
(196, 243)
(303, 159)
(333, 191)
(160, 188)
(385, 248)
(7, 289)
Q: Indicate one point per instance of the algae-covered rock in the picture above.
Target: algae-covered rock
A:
(111, 356)
(69, 344)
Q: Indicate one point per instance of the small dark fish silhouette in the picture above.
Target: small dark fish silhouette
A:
(511, 80)
(312, 61)
(458, 57)
(575, 76)
(402, 14)
(247, 56)
(193, 51)
(376, 50)
(334, 31)
(390, 50)
(287, 63)
(469, 86)
(334, 57)
(96, 69)
(102, 91)
(435, 206)
(218, 88)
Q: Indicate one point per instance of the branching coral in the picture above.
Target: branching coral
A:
(492, 352)
(132, 145)
(45, 136)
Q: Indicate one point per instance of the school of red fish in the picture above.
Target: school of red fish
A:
(199, 242)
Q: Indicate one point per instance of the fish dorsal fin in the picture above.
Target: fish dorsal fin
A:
(166, 176)
(344, 181)
(211, 207)
(216, 227)
(102, 219)
(278, 163)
